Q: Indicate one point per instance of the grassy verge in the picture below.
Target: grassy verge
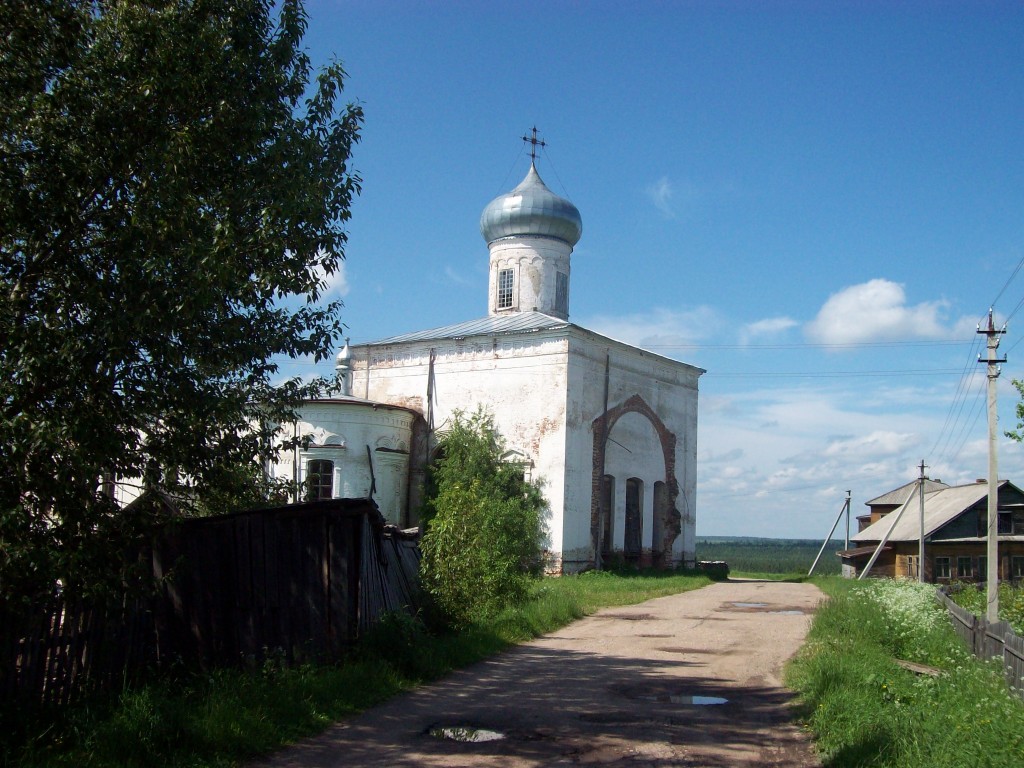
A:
(865, 710)
(228, 716)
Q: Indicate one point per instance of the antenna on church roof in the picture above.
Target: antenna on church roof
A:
(534, 142)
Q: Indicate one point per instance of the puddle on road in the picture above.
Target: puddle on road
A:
(698, 701)
(687, 700)
(465, 734)
(762, 606)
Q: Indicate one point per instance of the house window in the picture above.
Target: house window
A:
(1017, 566)
(912, 567)
(1005, 523)
(941, 567)
(963, 567)
(505, 283)
(562, 292)
(319, 480)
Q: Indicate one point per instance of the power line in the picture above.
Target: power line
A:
(1007, 283)
(832, 374)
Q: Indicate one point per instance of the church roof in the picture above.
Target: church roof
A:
(531, 209)
(514, 322)
(511, 324)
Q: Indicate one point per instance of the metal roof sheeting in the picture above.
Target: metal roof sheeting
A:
(495, 325)
(901, 494)
(940, 508)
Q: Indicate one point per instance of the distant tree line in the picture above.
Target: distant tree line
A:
(752, 555)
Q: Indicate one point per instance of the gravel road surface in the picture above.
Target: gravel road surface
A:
(686, 680)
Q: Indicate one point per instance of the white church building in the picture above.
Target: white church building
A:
(609, 430)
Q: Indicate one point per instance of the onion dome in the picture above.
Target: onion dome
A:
(531, 209)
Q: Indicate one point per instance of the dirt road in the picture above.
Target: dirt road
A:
(686, 680)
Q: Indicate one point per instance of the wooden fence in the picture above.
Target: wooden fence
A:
(988, 640)
(299, 583)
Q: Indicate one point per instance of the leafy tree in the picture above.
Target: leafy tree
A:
(171, 203)
(1018, 433)
(483, 523)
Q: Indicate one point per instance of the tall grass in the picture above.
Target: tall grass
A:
(228, 716)
(865, 710)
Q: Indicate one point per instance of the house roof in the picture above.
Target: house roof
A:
(940, 508)
(900, 495)
(847, 554)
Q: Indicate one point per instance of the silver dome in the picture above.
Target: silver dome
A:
(531, 209)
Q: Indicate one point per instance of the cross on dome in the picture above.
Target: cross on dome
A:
(534, 142)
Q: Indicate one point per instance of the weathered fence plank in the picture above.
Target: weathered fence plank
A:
(988, 640)
(299, 582)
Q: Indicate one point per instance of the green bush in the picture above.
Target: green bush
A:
(483, 525)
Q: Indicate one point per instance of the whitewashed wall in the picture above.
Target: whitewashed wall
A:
(669, 387)
(545, 390)
(521, 381)
(341, 430)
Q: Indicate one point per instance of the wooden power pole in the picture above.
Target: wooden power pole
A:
(992, 551)
(920, 544)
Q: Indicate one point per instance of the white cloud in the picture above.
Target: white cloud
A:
(336, 283)
(767, 328)
(658, 328)
(875, 311)
(661, 193)
(872, 445)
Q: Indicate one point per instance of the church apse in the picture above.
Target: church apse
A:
(634, 489)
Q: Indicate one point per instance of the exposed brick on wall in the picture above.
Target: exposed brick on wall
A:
(602, 426)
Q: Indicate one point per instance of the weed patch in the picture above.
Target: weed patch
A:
(864, 709)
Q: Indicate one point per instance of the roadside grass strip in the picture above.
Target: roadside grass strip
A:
(864, 709)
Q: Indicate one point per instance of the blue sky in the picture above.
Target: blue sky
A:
(816, 202)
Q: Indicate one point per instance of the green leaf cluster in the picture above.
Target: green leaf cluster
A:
(173, 195)
(483, 524)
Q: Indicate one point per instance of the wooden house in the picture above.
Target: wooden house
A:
(955, 527)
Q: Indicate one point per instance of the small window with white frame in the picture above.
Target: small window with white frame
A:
(941, 567)
(506, 283)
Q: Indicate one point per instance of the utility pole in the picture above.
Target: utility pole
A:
(920, 544)
(847, 544)
(992, 550)
(846, 509)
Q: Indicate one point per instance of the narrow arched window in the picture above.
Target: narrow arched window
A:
(607, 512)
(506, 280)
(633, 535)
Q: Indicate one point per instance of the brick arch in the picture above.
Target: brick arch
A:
(672, 523)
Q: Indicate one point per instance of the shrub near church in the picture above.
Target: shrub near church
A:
(483, 525)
